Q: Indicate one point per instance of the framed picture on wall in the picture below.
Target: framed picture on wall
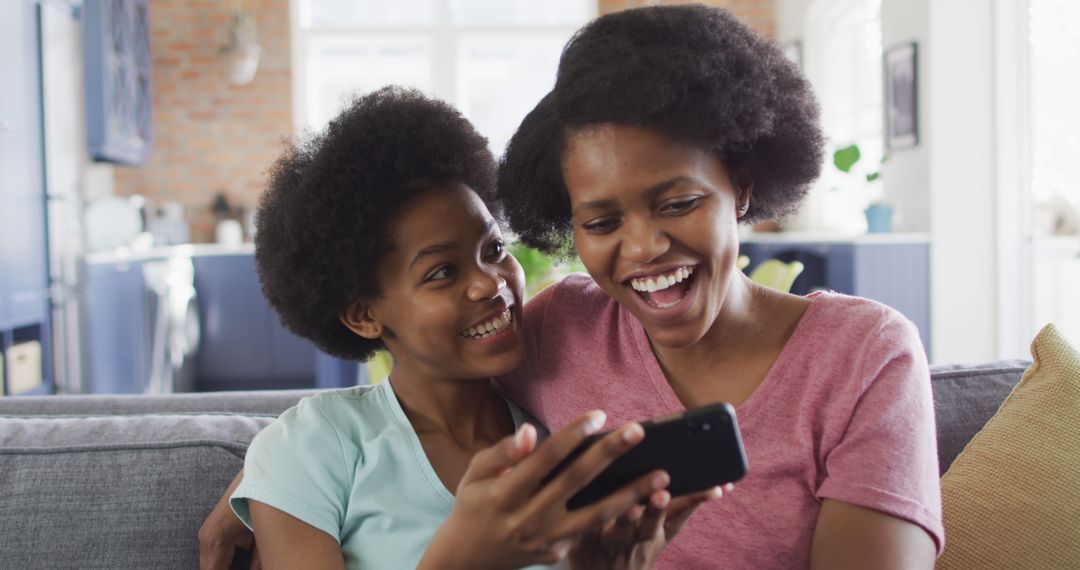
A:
(901, 96)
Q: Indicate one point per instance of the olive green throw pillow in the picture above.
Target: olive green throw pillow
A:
(1012, 497)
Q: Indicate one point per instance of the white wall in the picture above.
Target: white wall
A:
(947, 185)
(962, 200)
(906, 175)
(790, 16)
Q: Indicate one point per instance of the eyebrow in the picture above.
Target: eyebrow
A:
(446, 245)
(650, 194)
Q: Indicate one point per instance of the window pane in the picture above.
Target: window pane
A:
(367, 13)
(520, 12)
(339, 67)
(502, 78)
(844, 48)
(1055, 116)
(1055, 181)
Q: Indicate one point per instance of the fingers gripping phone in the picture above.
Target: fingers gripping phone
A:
(699, 449)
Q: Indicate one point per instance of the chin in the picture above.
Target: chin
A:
(500, 364)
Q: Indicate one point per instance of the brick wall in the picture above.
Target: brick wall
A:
(211, 136)
(214, 137)
(758, 14)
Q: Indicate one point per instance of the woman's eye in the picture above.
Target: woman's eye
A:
(444, 272)
(601, 226)
(680, 207)
(496, 250)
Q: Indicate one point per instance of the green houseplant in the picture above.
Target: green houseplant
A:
(879, 213)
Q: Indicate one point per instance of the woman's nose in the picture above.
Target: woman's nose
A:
(486, 284)
(643, 242)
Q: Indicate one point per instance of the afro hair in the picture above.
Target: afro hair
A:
(322, 222)
(693, 73)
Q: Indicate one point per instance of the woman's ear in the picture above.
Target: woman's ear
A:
(744, 187)
(359, 318)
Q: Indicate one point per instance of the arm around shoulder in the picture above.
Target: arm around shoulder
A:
(222, 533)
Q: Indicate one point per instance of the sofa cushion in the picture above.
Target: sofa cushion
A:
(1012, 497)
(965, 397)
(114, 491)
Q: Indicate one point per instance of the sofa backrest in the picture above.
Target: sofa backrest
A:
(79, 490)
(965, 398)
(261, 403)
(125, 481)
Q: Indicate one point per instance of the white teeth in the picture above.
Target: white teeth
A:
(486, 329)
(652, 284)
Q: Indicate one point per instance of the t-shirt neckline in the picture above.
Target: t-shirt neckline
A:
(422, 462)
(670, 401)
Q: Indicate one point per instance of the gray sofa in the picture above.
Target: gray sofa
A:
(125, 481)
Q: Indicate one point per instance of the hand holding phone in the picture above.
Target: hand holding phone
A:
(699, 449)
(504, 516)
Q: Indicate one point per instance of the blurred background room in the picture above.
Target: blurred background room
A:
(136, 135)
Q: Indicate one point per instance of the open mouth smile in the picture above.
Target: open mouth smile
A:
(664, 290)
(490, 327)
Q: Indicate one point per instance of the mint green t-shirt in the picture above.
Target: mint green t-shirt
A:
(349, 463)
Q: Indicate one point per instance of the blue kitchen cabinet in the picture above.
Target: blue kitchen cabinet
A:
(892, 269)
(236, 322)
(244, 346)
(24, 285)
(118, 329)
(241, 343)
(118, 71)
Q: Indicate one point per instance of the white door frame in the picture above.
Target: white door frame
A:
(1013, 164)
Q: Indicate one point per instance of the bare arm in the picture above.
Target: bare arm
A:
(222, 533)
(288, 542)
(850, 536)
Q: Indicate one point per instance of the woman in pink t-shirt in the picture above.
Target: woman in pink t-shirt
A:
(666, 128)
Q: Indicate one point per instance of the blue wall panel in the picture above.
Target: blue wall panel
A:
(24, 289)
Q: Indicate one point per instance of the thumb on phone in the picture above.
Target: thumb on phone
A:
(497, 459)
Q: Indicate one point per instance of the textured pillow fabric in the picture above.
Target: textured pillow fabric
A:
(1012, 497)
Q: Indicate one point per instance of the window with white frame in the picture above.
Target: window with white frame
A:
(843, 51)
(1054, 123)
(492, 59)
(1055, 115)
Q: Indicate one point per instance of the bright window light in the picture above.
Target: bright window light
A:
(492, 59)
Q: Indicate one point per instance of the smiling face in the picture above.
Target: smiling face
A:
(451, 294)
(655, 223)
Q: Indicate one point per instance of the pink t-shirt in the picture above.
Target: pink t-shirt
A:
(845, 413)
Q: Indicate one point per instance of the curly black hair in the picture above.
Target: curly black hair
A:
(692, 72)
(322, 222)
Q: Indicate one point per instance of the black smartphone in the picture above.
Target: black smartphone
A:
(699, 449)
